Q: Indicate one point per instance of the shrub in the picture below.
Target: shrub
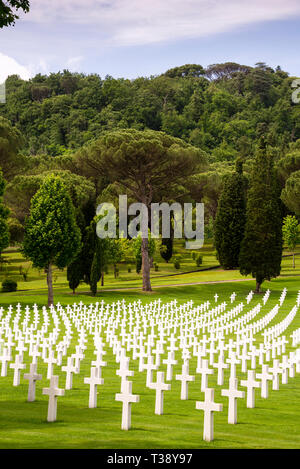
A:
(177, 264)
(199, 260)
(9, 285)
(138, 264)
(156, 267)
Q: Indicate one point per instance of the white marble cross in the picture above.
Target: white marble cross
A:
(200, 354)
(9, 344)
(70, 368)
(284, 365)
(264, 376)
(212, 350)
(250, 384)
(185, 378)
(124, 372)
(18, 365)
(32, 377)
(141, 355)
(150, 367)
(159, 387)
(244, 357)
(94, 380)
(209, 407)
(21, 348)
(221, 366)
(172, 340)
(170, 362)
(276, 370)
(253, 354)
(98, 363)
(233, 361)
(53, 392)
(35, 353)
(127, 398)
(4, 359)
(233, 395)
(50, 361)
(204, 370)
(78, 355)
(232, 297)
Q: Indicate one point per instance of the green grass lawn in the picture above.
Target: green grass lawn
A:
(274, 423)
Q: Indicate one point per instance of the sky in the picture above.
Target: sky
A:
(134, 38)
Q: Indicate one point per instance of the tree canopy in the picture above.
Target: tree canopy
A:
(52, 236)
(9, 9)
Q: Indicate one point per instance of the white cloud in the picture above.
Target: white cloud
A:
(73, 64)
(9, 66)
(136, 22)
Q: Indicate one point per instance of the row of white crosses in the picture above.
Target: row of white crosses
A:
(187, 321)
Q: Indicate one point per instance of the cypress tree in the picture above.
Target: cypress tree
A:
(96, 251)
(76, 270)
(231, 219)
(74, 275)
(261, 248)
(96, 270)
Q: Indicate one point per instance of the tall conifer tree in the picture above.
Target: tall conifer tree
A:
(261, 248)
(231, 218)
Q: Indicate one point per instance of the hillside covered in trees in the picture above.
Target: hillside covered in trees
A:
(223, 111)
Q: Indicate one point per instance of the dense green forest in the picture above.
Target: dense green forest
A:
(222, 110)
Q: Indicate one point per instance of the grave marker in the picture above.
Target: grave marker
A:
(233, 395)
(209, 407)
(32, 377)
(53, 392)
(127, 398)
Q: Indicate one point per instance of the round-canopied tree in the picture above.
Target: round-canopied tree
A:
(261, 248)
(142, 164)
(231, 218)
(52, 237)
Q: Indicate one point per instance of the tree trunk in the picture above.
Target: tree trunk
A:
(258, 285)
(102, 279)
(145, 266)
(293, 260)
(50, 284)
